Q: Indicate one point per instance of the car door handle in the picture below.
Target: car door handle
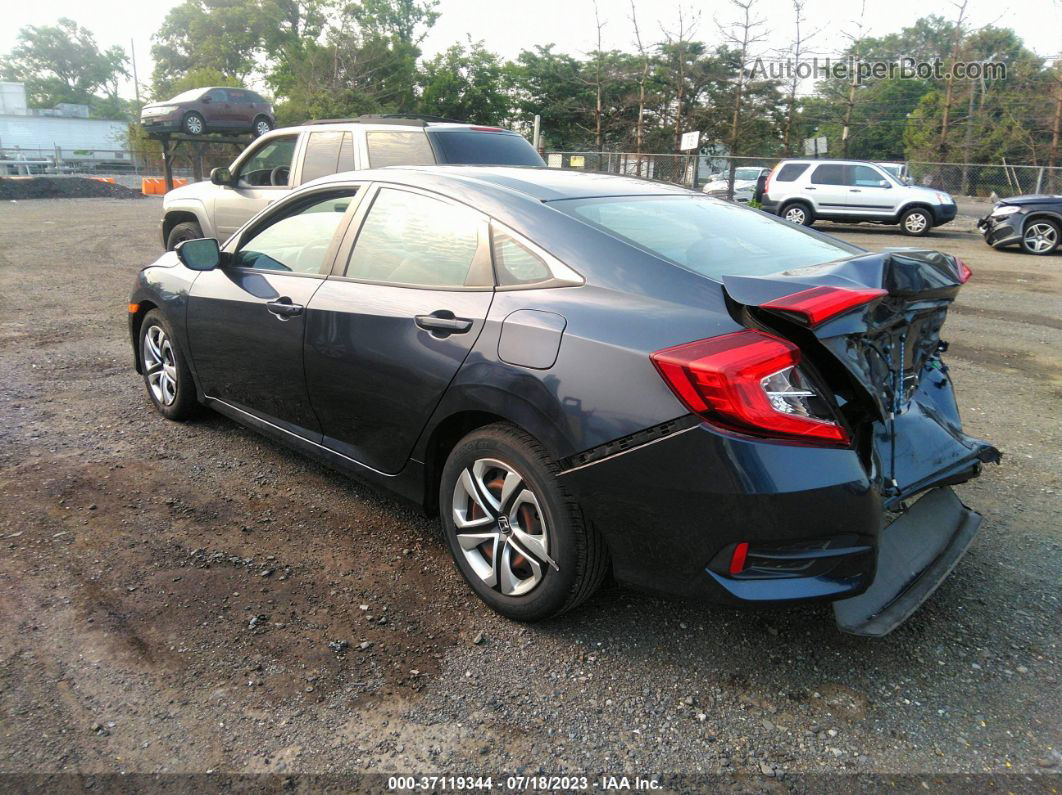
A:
(855, 190)
(283, 308)
(808, 188)
(444, 321)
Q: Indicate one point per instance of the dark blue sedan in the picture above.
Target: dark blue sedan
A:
(591, 376)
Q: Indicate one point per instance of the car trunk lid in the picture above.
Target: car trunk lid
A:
(879, 318)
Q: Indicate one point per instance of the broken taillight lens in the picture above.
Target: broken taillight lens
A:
(750, 382)
(964, 271)
(820, 304)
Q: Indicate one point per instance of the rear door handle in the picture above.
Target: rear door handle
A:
(283, 308)
(443, 321)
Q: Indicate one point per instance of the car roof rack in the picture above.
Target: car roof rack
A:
(405, 119)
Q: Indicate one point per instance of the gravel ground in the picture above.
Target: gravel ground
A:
(21, 188)
(191, 597)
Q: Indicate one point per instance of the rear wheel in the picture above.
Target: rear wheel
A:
(187, 230)
(517, 536)
(1041, 236)
(917, 221)
(798, 213)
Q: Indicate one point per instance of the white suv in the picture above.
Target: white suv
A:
(805, 191)
(281, 160)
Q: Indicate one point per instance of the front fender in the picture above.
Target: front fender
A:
(186, 205)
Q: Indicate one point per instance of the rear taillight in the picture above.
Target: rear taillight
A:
(819, 304)
(749, 382)
(770, 176)
(964, 271)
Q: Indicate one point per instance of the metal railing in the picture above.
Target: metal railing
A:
(976, 180)
(60, 161)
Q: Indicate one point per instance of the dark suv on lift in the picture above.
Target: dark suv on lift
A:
(211, 109)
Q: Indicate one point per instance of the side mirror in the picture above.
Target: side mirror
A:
(884, 183)
(221, 176)
(203, 254)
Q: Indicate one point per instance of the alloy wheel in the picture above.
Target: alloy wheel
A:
(795, 215)
(160, 365)
(262, 127)
(1040, 238)
(501, 530)
(194, 125)
(915, 223)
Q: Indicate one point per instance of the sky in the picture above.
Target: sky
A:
(507, 26)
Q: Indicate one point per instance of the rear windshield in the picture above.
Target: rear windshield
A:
(484, 148)
(709, 237)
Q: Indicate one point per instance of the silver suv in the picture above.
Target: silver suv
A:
(281, 160)
(805, 191)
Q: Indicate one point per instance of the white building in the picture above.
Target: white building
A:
(39, 133)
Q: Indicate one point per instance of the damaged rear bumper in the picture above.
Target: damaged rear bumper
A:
(916, 553)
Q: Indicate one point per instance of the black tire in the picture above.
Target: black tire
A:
(184, 402)
(261, 125)
(575, 546)
(797, 213)
(186, 230)
(916, 222)
(1041, 236)
(193, 124)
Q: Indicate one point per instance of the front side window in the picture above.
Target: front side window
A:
(270, 164)
(219, 95)
(415, 240)
(398, 148)
(706, 236)
(828, 174)
(297, 242)
(865, 177)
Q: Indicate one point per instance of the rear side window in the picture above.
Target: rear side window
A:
(414, 240)
(515, 263)
(476, 147)
(327, 153)
(790, 171)
(828, 174)
(398, 148)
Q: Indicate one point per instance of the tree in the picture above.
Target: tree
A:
(743, 35)
(465, 84)
(222, 35)
(63, 63)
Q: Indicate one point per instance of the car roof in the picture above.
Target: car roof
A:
(540, 183)
(830, 160)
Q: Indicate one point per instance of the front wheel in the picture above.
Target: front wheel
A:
(193, 124)
(1041, 237)
(186, 230)
(916, 221)
(517, 536)
(166, 374)
(262, 125)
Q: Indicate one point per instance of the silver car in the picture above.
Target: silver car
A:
(805, 191)
(282, 160)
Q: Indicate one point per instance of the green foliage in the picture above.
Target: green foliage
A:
(63, 63)
(468, 84)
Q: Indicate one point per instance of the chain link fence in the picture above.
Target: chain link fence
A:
(974, 180)
(127, 166)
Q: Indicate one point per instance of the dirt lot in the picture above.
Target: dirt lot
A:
(169, 593)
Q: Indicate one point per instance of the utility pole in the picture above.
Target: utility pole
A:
(136, 80)
(639, 129)
(1055, 129)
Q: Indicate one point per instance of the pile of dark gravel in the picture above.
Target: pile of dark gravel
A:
(63, 188)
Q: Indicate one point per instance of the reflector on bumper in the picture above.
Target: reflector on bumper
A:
(915, 554)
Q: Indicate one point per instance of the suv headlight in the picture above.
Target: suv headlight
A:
(1006, 209)
(945, 198)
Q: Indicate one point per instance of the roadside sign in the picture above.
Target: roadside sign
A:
(813, 147)
(690, 140)
(577, 161)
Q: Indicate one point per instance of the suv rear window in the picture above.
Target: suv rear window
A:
(398, 148)
(475, 147)
(828, 174)
(790, 171)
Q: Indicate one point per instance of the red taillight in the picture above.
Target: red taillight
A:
(770, 176)
(737, 561)
(724, 379)
(964, 272)
(819, 304)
